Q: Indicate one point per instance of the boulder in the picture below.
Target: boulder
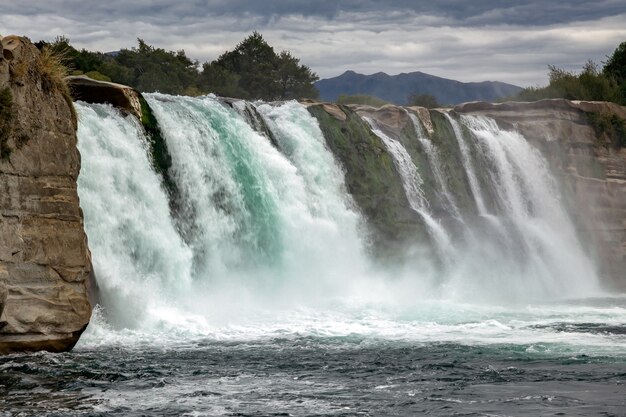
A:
(45, 266)
(93, 91)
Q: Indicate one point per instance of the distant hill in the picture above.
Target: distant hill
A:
(397, 88)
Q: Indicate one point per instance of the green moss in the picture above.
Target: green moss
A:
(6, 122)
(452, 162)
(160, 155)
(610, 127)
(371, 178)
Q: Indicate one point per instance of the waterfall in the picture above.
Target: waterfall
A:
(468, 165)
(434, 162)
(533, 206)
(262, 218)
(136, 250)
(412, 183)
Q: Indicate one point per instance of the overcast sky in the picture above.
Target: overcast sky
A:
(467, 40)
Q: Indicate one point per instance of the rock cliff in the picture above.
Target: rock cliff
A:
(371, 177)
(45, 268)
(585, 142)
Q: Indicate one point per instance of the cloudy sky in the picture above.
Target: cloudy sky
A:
(467, 40)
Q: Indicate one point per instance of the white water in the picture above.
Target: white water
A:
(468, 165)
(273, 245)
(412, 183)
(554, 259)
(435, 166)
(139, 258)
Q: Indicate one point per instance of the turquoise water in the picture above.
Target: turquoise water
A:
(254, 291)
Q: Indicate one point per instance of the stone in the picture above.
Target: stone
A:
(93, 91)
(589, 166)
(47, 286)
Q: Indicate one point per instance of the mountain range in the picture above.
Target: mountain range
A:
(397, 88)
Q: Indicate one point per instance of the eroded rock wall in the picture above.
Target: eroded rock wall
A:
(45, 266)
(591, 160)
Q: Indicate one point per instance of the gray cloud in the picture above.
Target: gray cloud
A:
(506, 40)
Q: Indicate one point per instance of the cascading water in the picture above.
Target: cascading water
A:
(139, 257)
(435, 166)
(252, 290)
(468, 165)
(550, 251)
(412, 182)
(271, 220)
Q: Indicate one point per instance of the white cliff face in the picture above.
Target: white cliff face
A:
(45, 264)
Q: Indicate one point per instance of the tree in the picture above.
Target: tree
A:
(253, 60)
(423, 100)
(294, 80)
(615, 67)
(220, 81)
(155, 69)
(262, 74)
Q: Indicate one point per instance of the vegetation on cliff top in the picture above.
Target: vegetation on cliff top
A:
(252, 70)
(592, 83)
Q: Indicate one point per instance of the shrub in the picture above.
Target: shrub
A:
(52, 69)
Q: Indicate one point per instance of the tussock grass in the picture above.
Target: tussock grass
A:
(52, 67)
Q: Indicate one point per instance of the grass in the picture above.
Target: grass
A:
(53, 69)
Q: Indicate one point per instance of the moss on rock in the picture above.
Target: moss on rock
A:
(370, 176)
(610, 127)
(161, 158)
(6, 122)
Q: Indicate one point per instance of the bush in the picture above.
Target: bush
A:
(52, 69)
(423, 100)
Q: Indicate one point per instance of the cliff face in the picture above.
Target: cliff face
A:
(371, 177)
(585, 142)
(45, 266)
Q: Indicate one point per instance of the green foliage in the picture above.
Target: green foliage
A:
(615, 67)
(590, 84)
(294, 80)
(155, 69)
(220, 81)
(423, 100)
(361, 99)
(251, 70)
(254, 71)
(609, 126)
(6, 122)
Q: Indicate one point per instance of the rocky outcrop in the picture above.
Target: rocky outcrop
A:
(371, 176)
(586, 143)
(131, 102)
(45, 267)
(94, 91)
